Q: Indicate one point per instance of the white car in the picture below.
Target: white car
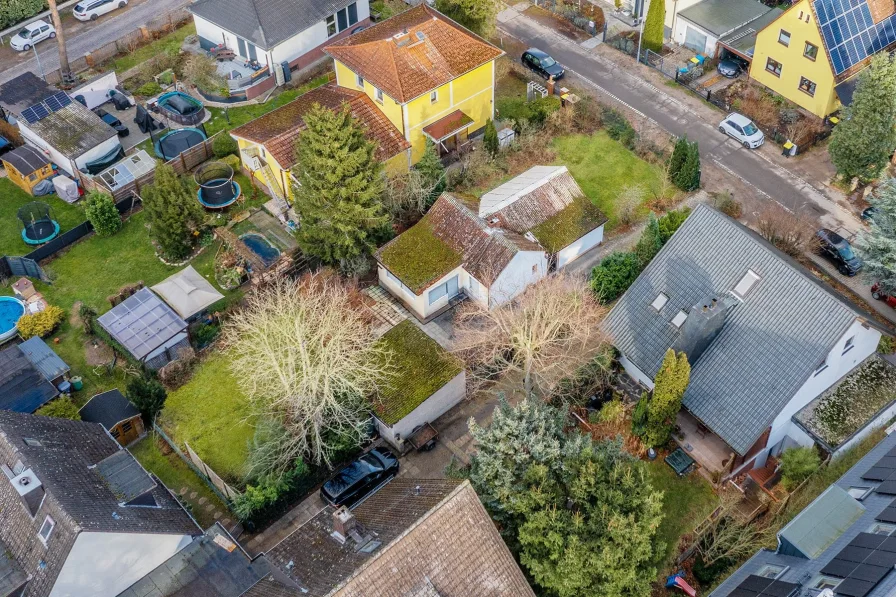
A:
(742, 129)
(89, 10)
(30, 34)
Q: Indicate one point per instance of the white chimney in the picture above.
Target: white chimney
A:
(30, 489)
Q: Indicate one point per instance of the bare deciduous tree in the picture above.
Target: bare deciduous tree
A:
(304, 354)
(64, 69)
(733, 536)
(547, 334)
(408, 193)
(627, 203)
(786, 230)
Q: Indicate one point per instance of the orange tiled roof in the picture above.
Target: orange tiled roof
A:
(453, 123)
(413, 52)
(279, 129)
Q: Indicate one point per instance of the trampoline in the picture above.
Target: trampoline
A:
(217, 188)
(171, 144)
(181, 108)
(38, 223)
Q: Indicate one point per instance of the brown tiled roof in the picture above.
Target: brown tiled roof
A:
(448, 125)
(413, 52)
(279, 129)
(484, 251)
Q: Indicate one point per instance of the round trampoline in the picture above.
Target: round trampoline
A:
(217, 188)
(181, 108)
(38, 223)
(170, 145)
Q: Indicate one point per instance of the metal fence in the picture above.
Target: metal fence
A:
(689, 79)
(21, 266)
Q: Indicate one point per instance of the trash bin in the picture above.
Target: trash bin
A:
(65, 387)
(77, 384)
(287, 73)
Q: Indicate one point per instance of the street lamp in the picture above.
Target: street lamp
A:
(39, 67)
(641, 28)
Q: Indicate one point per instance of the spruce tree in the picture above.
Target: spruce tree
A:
(654, 26)
(650, 243)
(339, 195)
(865, 138)
(490, 138)
(173, 212)
(679, 157)
(688, 176)
(878, 245)
(432, 171)
(669, 386)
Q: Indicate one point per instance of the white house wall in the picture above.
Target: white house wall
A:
(526, 268)
(680, 34)
(217, 35)
(443, 400)
(312, 37)
(104, 564)
(97, 91)
(34, 140)
(673, 7)
(419, 304)
(577, 248)
(97, 152)
(635, 373)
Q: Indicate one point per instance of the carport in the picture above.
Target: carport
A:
(742, 41)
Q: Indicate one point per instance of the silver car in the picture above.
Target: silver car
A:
(743, 130)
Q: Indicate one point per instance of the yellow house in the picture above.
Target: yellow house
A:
(432, 78)
(812, 53)
(267, 144)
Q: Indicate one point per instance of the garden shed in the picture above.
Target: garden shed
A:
(53, 368)
(147, 328)
(116, 414)
(23, 388)
(425, 383)
(187, 292)
(27, 167)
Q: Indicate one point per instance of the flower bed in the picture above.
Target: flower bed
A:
(850, 405)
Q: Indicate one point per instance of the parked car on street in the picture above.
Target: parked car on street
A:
(879, 294)
(839, 251)
(116, 124)
(742, 129)
(31, 34)
(360, 478)
(542, 63)
(732, 67)
(89, 10)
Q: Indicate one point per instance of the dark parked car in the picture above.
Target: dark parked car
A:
(879, 294)
(731, 67)
(543, 64)
(837, 249)
(360, 478)
(121, 129)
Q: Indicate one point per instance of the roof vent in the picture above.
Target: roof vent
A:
(416, 490)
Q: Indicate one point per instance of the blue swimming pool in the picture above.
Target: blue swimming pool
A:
(11, 310)
(262, 247)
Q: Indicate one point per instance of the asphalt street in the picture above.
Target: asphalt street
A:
(106, 30)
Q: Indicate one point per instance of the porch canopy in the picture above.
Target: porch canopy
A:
(447, 127)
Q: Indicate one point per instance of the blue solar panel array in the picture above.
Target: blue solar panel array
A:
(57, 101)
(850, 33)
(35, 113)
(54, 103)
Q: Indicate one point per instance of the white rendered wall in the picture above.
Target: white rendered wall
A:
(526, 268)
(443, 400)
(312, 37)
(97, 91)
(635, 373)
(577, 248)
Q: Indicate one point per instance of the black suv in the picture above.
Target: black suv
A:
(838, 250)
(360, 478)
(121, 129)
(543, 64)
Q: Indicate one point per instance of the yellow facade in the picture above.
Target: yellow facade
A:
(27, 183)
(788, 69)
(472, 92)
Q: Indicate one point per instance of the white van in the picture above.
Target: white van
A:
(30, 34)
(89, 10)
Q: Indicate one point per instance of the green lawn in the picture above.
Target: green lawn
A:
(176, 476)
(686, 502)
(603, 167)
(214, 417)
(11, 199)
(167, 44)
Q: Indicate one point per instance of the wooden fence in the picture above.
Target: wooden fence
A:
(229, 492)
(198, 469)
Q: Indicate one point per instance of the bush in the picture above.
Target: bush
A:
(685, 168)
(11, 133)
(490, 138)
(224, 145)
(148, 396)
(671, 221)
(16, 11)
(267, 491)
(797, 464)
(41, 323)
(205, 333)
(233, 161)
(725, 203)
(149, 89)
(88, 318)
(102, 213)
(543, 107)
(61, 408)
(612, 412)
(886, 345)
(614, 275)
(618, 127)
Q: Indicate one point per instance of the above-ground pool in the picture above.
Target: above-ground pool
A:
(172, 144)
(262, 247)
(181, 108)
(11, 309)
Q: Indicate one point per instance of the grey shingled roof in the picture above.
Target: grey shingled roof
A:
(266, 23)
(73, 131)
(769, 345)
(26, 159)
(64, 463)
(724, 16)
(142, 323)
(43, 358)
(23, 92)
(802, 570)
(743, 39)
(108, 409)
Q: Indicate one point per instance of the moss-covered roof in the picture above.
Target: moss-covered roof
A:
(420, 367)
(571, 223)
(417, 257)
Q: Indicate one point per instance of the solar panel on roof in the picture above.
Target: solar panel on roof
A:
(876, 473)
(887, 488)
(869, 540)
(57, 101)
(849, 32)
(889, 544)
(886, 559)
(867, 572)
(888, 515)
(30, 115)
(839, 568)
(853, 587)
(854, 554)
(760, 586)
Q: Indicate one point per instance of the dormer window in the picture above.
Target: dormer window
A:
(679, 318)
(746, 284)
(46, 529)
(660, 301)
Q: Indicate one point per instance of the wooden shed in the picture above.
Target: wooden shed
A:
(116, 414)
(26, 167)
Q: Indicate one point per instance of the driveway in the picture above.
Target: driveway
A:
(86, 37)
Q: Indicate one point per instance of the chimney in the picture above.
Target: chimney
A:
(343, 521)
(30, 489)
(704, 323)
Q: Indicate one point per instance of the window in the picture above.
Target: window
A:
(773, 66)
(125, 427)
(746, 283)
(352, 13)
(810, 51)
(824, 582)
(880, 528)
(807, 86)
(784, 38)
(771, 571)
(46, 529)
(859, 493)
(821, 367)
(448, 289)
(434, 96)
(850, 343)
(342, 19)
(378, 93)
(679, 319)
(331, 25)
(116, 433)
(660, 301)
(30, 441)
(359, 81)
